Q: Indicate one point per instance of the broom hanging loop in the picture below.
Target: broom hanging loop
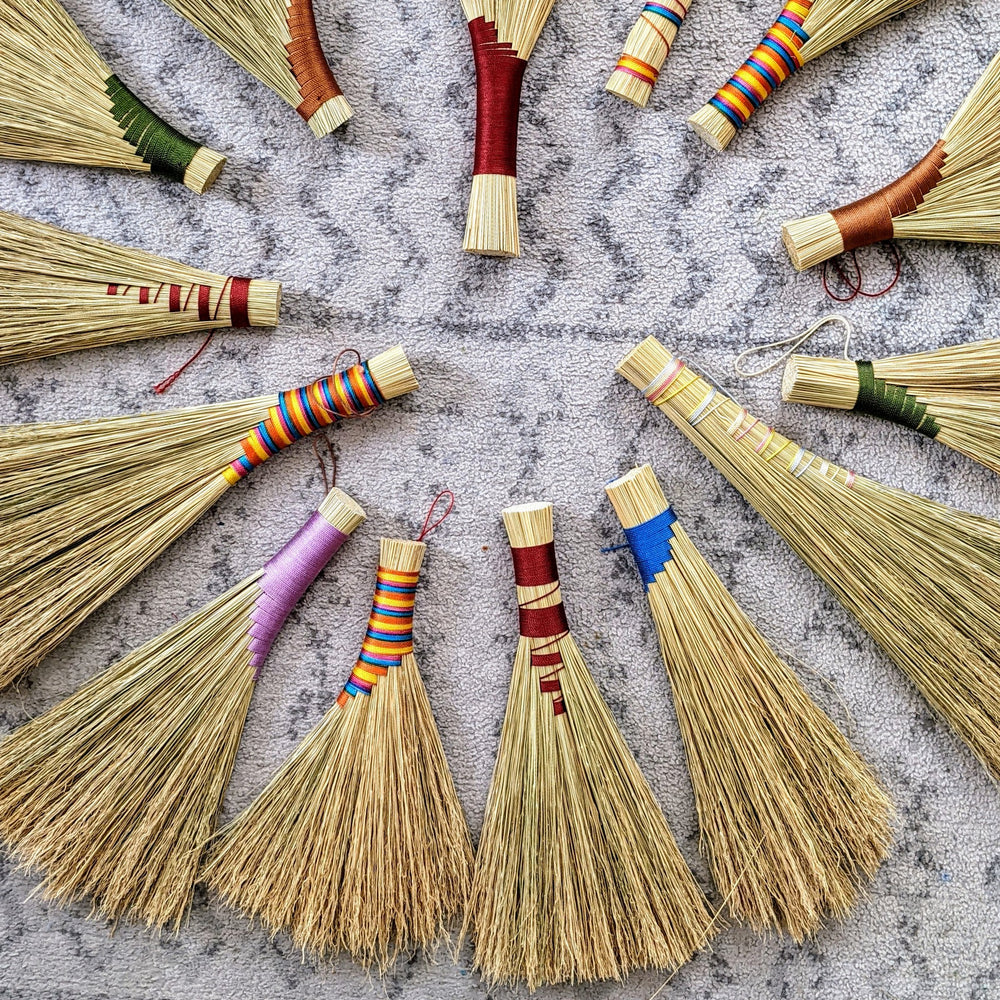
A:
(791, 345)
(855, 285)
(449, 497)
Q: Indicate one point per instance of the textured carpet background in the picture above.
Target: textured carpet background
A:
(630, 226)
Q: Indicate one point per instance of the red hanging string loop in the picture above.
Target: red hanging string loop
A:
(855, 285)
(428, 527)
(328, 484)
(161, 387)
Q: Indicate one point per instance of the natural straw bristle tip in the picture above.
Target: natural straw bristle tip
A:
(204, 168)
(392, 373)
(491, 223)
(341, 510)
(628, 88)
(329, 116)
(264, 302)
(713, 126)
(812, 240)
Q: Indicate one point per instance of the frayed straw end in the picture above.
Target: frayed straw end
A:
(491, 224)
(713, 126)
(329, 116)
(629, 88)
(263, 302)
(812, 240)
(204, 168)
(392, 373)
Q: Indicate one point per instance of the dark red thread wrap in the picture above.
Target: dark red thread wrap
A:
(204, 310)
(499, 73)
(540, 623)
(239, 302)
(535, 565)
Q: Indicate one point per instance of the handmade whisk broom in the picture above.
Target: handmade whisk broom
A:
(920, 576)
(792, 820)
(804, 30)
(358, 843)
(577, 876)
(503, 34)
(277, 42)
(646, 50)
(113, 793)
(952, 394)
(60, 102)
(953, 193)
(60, 291)
(85, 506)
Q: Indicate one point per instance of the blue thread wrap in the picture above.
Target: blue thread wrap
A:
(650, 543)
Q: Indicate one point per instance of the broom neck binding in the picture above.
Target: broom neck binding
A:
(499, 74)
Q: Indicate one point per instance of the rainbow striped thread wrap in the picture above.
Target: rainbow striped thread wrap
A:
(301, 411)
(651, 544)
(389, 634)
(672, 11)
(774, 60)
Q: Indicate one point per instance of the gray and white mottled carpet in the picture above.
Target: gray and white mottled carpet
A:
(629, 226)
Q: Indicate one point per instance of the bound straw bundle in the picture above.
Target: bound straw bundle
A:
(804, 30)
(577, 877)
(953, 193)
(85, 506)
(276, 41)
(646, 50)
(792, 820)
(60, 102)
(920, 576)
(60, 291)
(113, 793)
(951, 395)
(503, 34)
(359, 843)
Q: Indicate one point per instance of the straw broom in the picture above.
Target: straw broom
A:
(578, 877)
(920, 577)
(804, 30)
(358, 843)
(646, 50)
(953, 193)
(503, 33)
(951, 395)
(112, 793)
(792, 820)
(60, 291)
(60, 102)
(276, 41)
(85, 506)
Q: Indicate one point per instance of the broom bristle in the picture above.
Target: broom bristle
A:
(952, 194)
(113, 793)
(920, 577)
(646, 50)
(792, 820)
(276, 41)
(60, 102)
(951, 395)
(577, 877)
(358, 843)
(85, 506)
(60, 291)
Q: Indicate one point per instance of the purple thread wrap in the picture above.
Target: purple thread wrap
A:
(286, 577)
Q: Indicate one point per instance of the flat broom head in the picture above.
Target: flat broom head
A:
(578, 877)
(84, 506)
(646, 50)
(359, 843)
(112, 793)
(60, 291)
(920, 577)
(951, 395)
(277, 42)
(503, 33)
(792, 820)
(953, 193)
(60, 102)
(804, 30)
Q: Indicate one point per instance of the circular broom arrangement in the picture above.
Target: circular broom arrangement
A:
(276, 41)
(60, 291)
(953, 193)
(920, 577)
(952, 394)
(792, 820)
(113, 793)
(646, 50)
(804, 30)
(60, 102)
(577, 877)
(86, 505)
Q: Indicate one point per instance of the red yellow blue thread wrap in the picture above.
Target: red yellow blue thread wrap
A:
(389, 634)
(672, 11)
(774, 60)
(303, 410)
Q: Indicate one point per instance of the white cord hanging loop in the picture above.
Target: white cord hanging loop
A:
(792, 344)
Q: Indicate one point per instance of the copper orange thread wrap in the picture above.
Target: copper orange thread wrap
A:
(869, 220)
(499, 73)
(535, 566)
(309, 66)
(301, 411)
(239, 299)
(389, 634)
(774, 60)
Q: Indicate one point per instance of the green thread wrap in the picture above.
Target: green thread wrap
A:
(167, 152)
(893, 402)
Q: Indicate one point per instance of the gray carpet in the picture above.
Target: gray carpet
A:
(629, 225)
